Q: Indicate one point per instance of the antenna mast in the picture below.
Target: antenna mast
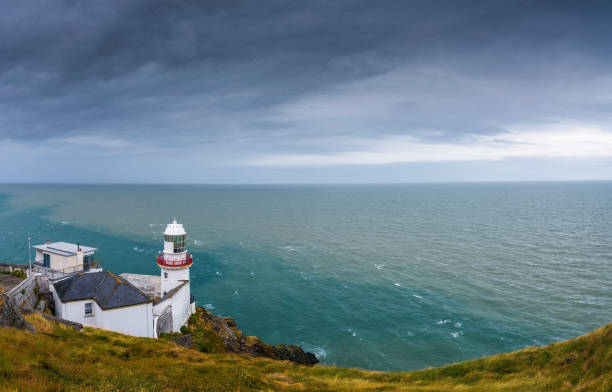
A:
(30, 254)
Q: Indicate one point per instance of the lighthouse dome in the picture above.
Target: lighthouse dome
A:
(174, 228)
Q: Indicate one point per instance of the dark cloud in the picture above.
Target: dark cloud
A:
(195, 73)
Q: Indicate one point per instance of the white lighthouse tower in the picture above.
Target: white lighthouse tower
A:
(174, 261)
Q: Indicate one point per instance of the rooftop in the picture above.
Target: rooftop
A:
(171, 293)
(174, 228)
(107, 289)
(64, 248)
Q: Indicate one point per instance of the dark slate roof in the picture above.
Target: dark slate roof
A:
(171, 293)
(107, 289)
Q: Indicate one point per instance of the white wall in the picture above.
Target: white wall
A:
(174, 278)
(181, 309)
(59, 263)
(134, 320)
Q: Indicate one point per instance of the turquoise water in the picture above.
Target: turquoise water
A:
(379, 277)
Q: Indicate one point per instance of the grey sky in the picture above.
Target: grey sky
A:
(318, 91)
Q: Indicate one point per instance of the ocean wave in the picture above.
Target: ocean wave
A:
(417, 296)
(209, 306)
(397, 284)
(441, 322)
(379, 266)
(456, 334)
(318, 351)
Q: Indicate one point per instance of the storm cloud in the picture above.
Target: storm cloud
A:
(133, 90)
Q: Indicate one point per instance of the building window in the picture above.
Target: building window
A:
(165, 275)
(88, 309)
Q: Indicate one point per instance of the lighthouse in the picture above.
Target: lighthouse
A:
(174, 261)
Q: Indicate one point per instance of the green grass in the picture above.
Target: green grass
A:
(16, 273)
(58, 358)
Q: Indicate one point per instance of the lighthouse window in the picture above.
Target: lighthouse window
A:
(165, 275)
(178, 242)
(88, 309)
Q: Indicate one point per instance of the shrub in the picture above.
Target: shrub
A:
(22, 291)
(184, 329)
(207, 341)
(19, 274)
(36, 290)
(192, 319)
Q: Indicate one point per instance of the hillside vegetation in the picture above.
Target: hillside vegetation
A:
(58, 358)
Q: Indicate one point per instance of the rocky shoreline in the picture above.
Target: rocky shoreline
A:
(235, 341)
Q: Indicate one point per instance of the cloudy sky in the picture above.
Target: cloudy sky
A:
(305, 91)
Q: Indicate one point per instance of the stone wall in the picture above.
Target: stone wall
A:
(24, 294)
(10, 314)
(71, 324)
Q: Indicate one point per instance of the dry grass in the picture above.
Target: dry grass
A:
(59, 359)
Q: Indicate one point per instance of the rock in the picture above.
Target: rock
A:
(68, 323)
(185, 341)
(236, 342)
(295, 354)
(11, 316)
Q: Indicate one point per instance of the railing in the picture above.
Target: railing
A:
(163, 262)
(39, 267)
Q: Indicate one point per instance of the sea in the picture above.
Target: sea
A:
(380, 277)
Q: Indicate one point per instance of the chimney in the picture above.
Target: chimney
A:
(48, 241)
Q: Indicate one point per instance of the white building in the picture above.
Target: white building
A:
(139, 305)
(65, 257)
(104, 300)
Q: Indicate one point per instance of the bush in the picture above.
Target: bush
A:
(207, 341)
(192, 319)
(19, 274)
(184, 329)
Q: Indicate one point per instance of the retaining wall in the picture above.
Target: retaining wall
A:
(24, 294)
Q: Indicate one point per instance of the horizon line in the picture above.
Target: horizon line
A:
(307, 183)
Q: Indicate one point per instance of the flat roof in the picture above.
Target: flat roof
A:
(64, 248)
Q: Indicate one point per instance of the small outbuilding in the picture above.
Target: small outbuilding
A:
(65, 257)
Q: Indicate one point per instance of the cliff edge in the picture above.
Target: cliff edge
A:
(232, 340)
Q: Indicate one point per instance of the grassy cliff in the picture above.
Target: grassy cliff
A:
(58, 358)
